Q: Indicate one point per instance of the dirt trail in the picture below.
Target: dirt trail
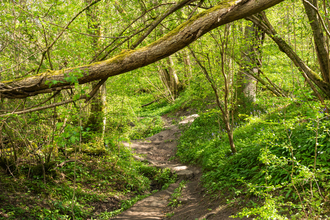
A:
(157, 150)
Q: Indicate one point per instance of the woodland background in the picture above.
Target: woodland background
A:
(261, 86)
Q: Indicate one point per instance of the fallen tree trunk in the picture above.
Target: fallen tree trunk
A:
(180, 37)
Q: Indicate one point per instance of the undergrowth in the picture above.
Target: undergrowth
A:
(283, 158)
(114, 181)
(94, 178)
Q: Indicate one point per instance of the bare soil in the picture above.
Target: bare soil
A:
(195, 202)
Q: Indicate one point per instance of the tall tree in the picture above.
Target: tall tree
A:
(311, 8)
(96, 121)
(251, 62)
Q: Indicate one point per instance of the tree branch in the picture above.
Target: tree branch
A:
(318, 13)
(171, 10)
(52, 44)
(127, 61)
(128, 37)
(284, 47)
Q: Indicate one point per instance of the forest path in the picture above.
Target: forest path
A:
(158, 150)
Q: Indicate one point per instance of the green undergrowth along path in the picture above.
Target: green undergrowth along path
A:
(104, 177)
(99, 181)
(282, 166)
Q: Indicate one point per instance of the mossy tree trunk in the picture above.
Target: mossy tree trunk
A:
(174, 41)
(169, 78)
(319, 39)
(96, 121)
(251, 58)
(310, 76)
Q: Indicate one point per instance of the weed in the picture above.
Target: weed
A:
(174, 200)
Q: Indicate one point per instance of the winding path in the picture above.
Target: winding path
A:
(157, 150)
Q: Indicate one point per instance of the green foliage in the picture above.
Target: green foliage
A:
(276, 155)
(283, 145)
(269, 210)
(100, 172)
(162, 178)
(147, 127)
(203, 142)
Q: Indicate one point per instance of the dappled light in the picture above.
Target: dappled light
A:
(182, 109)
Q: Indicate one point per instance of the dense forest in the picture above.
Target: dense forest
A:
(241, 88)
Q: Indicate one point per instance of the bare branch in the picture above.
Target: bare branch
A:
(44, 107)
(128, 37)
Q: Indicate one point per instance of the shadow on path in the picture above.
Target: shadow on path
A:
(157, 150)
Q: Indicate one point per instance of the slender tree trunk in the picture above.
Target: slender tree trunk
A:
(174, 80)
(251, 57)
(319, 40)
(223, 106)
(169, 78)
(187, 64)
(96, 121)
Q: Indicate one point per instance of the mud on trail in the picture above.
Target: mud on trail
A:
(157, 151)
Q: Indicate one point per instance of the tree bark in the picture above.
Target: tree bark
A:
(223, 106)
(169, 78)
(126, 61)
(251, 57)
(187, 64)
(96, 118)
(319, 40)
(284, 47)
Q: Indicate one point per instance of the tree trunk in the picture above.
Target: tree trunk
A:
(169, 78)
(96, 120)
(319, 40)
(174, 77)
(187, 64)
(251, 57)
(165, 77)
(284, 47)
(174, 41)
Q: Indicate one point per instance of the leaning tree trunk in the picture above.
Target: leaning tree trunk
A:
(306, 71)
(127, 61)
(319, 40)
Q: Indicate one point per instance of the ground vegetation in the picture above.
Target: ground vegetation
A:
(256, 72)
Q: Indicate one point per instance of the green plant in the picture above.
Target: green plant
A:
(276, 155)
(169, 215)
(174, 200)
